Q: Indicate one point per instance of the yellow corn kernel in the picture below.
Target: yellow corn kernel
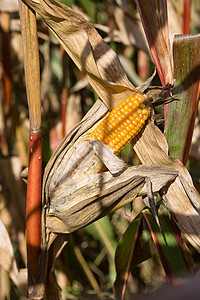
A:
(123, 123)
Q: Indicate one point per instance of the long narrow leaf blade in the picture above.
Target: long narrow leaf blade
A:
(153, 14)
(131, 250)
(180, 115)
(102, 230)
(170, 253)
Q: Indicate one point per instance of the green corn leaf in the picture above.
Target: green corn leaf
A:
(132, 249)
(172, 257)
(180, 115)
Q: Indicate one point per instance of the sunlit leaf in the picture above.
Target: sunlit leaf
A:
(155, 22)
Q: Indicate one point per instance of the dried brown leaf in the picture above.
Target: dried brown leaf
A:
(177, 200)
(87, 49)
(131, 31)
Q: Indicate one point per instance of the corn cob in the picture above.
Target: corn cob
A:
(123, 123)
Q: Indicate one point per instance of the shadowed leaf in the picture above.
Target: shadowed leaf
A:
(169, 251)
(103, 231)
(132, 249)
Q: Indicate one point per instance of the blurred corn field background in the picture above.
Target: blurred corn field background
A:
(86, 266)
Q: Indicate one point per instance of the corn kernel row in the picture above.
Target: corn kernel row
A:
(123, 123)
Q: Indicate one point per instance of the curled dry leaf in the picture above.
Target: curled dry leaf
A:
(186, 213)
(90, 53)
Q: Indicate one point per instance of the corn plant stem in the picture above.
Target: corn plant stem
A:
(32, 78)
(31, 65)
(186, 16)
(33, 205)
(5, 28)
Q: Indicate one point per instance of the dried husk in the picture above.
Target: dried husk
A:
(78, 194)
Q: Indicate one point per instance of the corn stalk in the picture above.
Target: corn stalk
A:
(32, 77)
